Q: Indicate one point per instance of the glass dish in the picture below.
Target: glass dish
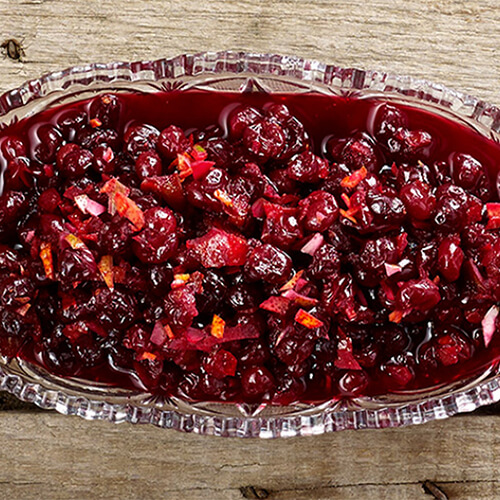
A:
(243, 72)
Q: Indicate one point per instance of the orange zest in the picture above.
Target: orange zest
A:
(128, 208)
(292, 282)
(351, 181)
(46, 257)
(105, 267)
(75, 242)
(95, 122)
(308, 320)
(217, 328)
(151, 356)
(180, 280)
(396, 316)
(223, 197)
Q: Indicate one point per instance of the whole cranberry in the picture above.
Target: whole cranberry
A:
(50, 140)
(74, 161)
(139, 138)
(265, 139)
(70, 122)
(450, 258)
(307, 167)
(106, 109)
(172, 142)
(467, 171)
(256, 382)
(399, 371)
(157, 241)
(421, 295)
(410, 144)
(49, 201)
(240, 119)
(388, 119)
(12, 147)
(361, 152)
(148, 164)
(268, 263)
(318, 211)
(281, 227)
(218, 151)
(353, 383)
(325, 262)
(419, 200)
(451, 208)
(90, 138)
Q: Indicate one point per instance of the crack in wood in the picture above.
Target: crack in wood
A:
(433, 489)
(254, 492)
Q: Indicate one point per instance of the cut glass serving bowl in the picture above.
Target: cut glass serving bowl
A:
(245, 72)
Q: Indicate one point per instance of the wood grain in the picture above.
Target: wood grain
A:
(44, 455)
(449, 41)
(98, 460)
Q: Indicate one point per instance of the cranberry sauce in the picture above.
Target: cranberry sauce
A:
(251, 247)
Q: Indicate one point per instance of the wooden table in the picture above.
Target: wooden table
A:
(45, 455)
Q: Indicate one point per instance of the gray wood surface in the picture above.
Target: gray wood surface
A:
(44, 455)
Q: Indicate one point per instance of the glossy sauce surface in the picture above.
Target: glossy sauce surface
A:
(384, 281)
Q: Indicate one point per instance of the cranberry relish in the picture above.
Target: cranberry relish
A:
(249, 247)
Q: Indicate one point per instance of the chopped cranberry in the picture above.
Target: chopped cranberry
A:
(450, 258)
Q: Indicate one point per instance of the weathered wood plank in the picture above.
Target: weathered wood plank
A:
(450, 41)
(96, 460)
(45, 455)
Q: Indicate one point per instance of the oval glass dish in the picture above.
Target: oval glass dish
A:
(240, 72)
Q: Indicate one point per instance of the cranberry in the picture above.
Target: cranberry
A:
(158, 240)
(139, 138)
(256, 382)
(18, 174)
(172, 142)
(90, 138)
(220, 364)
(421, 295)
(240, 119)
(281, 227)
(467, 171)
(353, 383)
(12, 147)
(451, 209)
(70, 122)
(450, 258)
(361, 152)
(419, 200)
(50, 141)
(319, 211)
(307, 167)
(148, 164)
(265, 139)
(74, 161)
(325, 263)
(268, 263)
(388, 120)
(106, 109)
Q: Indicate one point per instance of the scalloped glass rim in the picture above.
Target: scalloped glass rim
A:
(245, 72)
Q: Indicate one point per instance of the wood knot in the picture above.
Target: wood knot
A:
(254, 492)
(13, 49)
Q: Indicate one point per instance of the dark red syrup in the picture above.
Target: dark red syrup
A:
(228, 247)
